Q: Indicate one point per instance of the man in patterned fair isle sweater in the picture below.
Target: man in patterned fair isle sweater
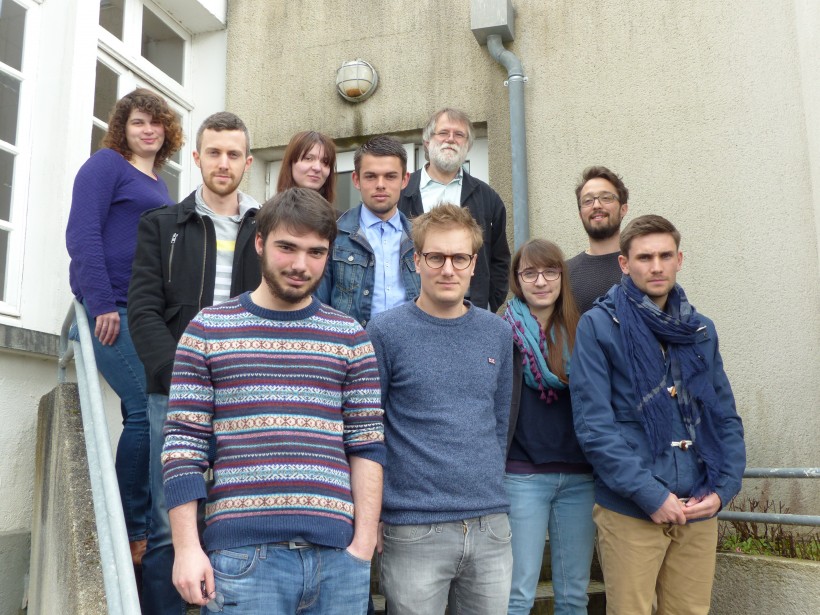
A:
(602, 204)
(290, 388)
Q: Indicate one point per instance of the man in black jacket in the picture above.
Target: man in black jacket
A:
(448, 138)
(189, 256)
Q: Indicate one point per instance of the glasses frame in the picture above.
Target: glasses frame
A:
(426, 255)
(598, 197)
(443, 135)
(542, 272)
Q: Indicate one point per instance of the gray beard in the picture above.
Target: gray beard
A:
(446, 165)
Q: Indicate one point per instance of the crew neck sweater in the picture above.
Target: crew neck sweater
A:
(110, 194)
(544, 439)
(446, 390)
(290, 396)
(592, 276)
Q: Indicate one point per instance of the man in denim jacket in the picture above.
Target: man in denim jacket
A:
(655, 416)
(371, 266)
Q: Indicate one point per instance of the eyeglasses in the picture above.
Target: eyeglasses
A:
(436, 260)
(530, 276)
(604, 198)
(445, 134)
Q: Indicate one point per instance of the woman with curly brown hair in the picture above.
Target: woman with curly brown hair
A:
(112, 189)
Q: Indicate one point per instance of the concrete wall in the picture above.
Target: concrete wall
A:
(763, 584)
(706, 109)
(25, 376)
(23, 379)
(66, 576)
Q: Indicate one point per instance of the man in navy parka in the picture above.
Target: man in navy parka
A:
(655, 416)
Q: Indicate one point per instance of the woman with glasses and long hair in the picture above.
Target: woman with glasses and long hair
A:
(548, 479)
(112, 189)
(309, 162)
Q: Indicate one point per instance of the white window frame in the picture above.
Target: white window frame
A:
(478, 163)
(125, 58)
(10, 304)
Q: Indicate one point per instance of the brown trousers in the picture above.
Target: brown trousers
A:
(641, 559)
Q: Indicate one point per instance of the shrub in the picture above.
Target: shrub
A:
(765, 538)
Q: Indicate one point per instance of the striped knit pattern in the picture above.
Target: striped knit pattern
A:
(289, 396)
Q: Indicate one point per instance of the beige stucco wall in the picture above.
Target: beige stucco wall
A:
(705, 108)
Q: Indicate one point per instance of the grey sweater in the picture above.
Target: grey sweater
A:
(446, 388)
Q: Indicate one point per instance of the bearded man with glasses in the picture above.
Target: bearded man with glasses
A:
(602, 204)
(445, 369)
(448, 138)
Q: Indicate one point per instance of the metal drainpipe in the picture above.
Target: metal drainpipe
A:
(518, 142)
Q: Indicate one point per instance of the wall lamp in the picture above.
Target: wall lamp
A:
(356, 80)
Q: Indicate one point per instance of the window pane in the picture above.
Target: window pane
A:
(346, 194)
(9, 102)
(6, 175)
(111, 13)
(4, 250)
(105, 91)
(12, 26)
(171, 177)
(162, 46)
(97, 134)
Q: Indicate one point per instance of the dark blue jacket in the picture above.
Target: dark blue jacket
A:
(627, 479)
(350, 274)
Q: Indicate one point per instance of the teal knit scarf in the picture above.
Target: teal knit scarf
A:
(529, 337)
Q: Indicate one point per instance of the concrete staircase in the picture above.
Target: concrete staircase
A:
(544, 597)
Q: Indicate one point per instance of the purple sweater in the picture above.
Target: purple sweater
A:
(109, 196)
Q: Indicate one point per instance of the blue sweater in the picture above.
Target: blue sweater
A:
(446, 389)
(109, 196)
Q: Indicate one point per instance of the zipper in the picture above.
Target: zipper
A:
(171, 257)
(236, 253)
(204, 259)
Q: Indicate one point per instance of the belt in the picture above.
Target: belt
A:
(294, 544)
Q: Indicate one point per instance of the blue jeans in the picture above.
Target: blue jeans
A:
(159, 596)
(563, 504)
(124, 373)
(271, 578)
(420, 563)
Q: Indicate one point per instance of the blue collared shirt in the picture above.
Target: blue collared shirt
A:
(385, 239)
(433, 193)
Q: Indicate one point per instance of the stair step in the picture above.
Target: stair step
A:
(546, 566)
(544, 598)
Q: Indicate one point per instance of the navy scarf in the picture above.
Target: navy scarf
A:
(643, 325)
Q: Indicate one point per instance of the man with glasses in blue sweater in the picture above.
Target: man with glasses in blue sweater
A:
(445, 368)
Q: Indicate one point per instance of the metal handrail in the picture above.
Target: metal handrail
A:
(115, 554)
(782, 519)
